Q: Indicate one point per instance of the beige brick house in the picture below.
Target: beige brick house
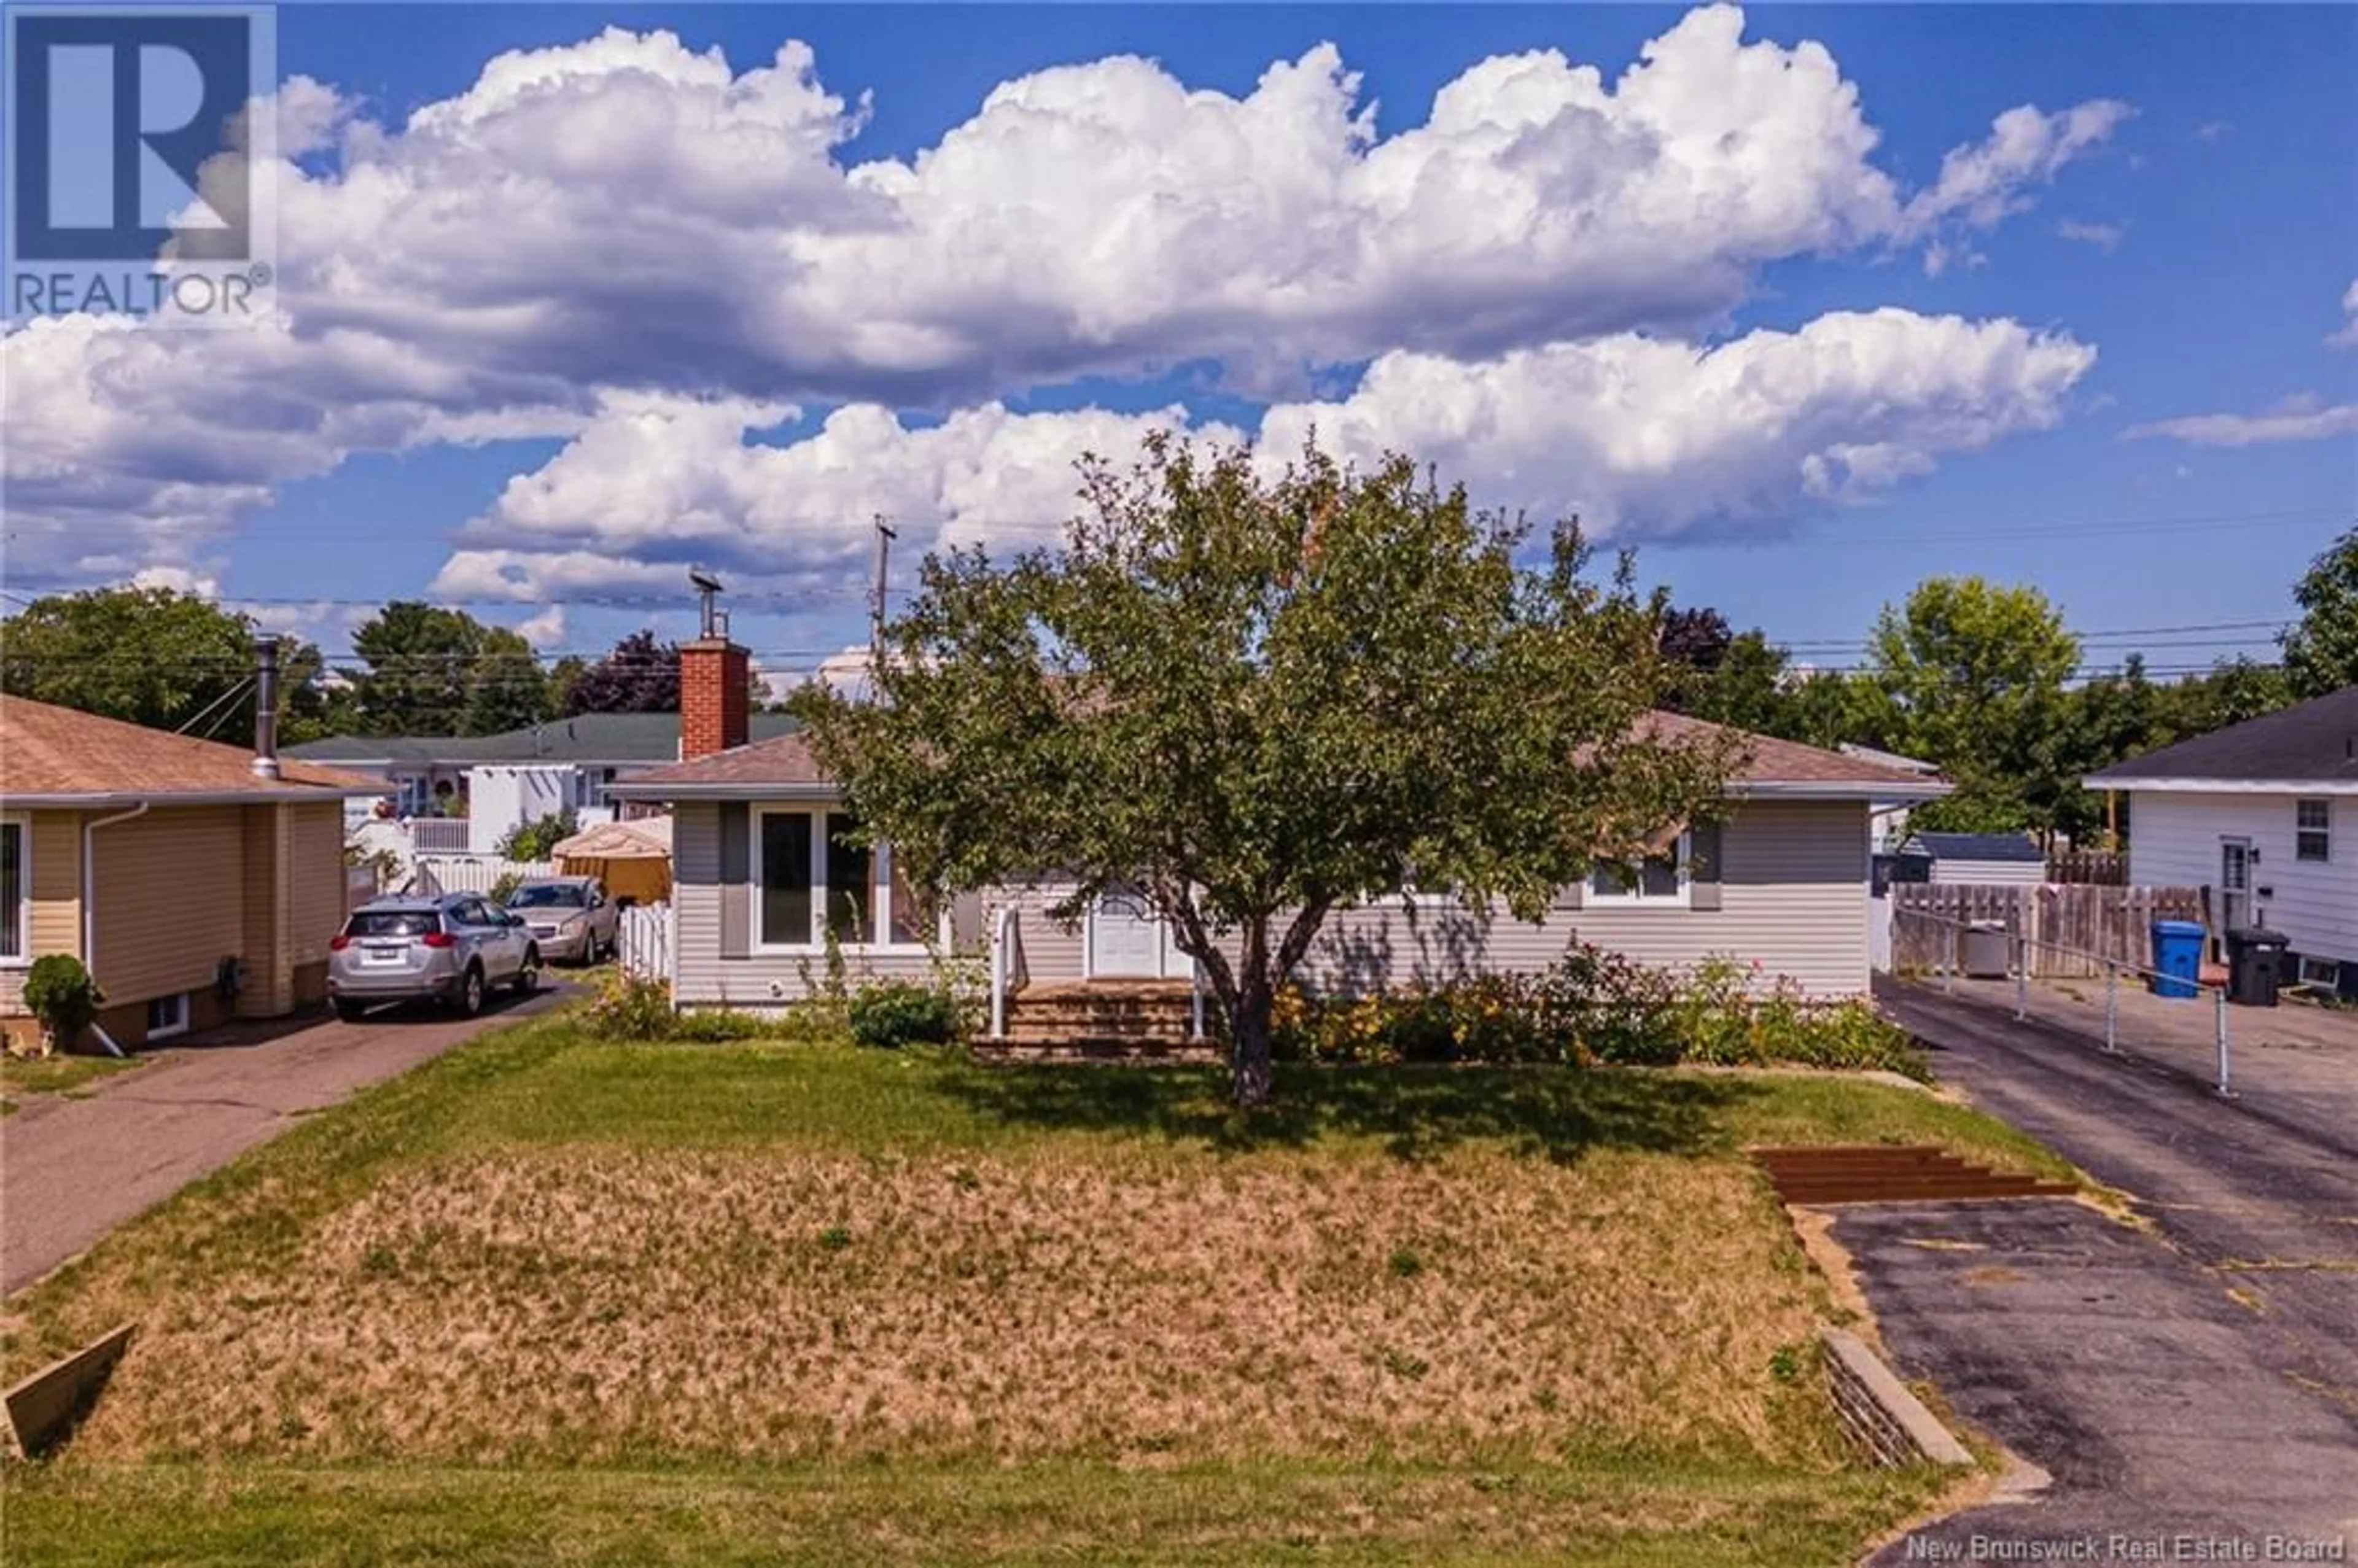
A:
(198, 881)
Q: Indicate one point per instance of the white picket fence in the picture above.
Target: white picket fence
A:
(472, 873)
(643, 941)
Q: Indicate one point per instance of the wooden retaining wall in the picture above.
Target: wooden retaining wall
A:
(2072, 928)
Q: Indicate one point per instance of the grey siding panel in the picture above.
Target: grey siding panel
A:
(1051, 951)
(702, 895)
(1792, 895)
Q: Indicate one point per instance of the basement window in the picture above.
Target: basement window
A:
(2313, 838)
(167, 1016)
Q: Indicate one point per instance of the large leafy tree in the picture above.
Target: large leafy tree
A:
(507, 687)
(158, 657)
(432, 671)
(1694, 642)
(641, 675)
(1746, 686)
(1974, 673)
(1260, 702)
(2320, 651)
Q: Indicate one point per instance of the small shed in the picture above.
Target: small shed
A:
(633, 858)
(1977, 858)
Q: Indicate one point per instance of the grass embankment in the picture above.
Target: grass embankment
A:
(777, 1304)
(23, 1075)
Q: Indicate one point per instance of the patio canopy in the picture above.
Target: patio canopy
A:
(645, 839)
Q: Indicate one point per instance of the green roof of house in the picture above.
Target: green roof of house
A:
(591, 738)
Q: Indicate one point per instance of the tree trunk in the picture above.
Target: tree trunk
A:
(1250, 1062)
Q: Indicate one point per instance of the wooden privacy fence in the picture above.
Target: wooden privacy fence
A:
(643, 941)
(2106, 867)
(2072, 930)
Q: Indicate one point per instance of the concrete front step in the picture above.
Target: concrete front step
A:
(1102, 1018)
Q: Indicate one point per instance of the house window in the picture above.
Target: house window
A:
(1658, 878)
(2312, 837)
(813, 864)
(167, 1016)
(787, 878)
(16, 892)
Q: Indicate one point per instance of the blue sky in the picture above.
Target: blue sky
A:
(616, 320)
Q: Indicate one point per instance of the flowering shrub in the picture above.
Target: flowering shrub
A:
(1594, 1006)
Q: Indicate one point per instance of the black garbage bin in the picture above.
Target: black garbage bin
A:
(2255, 964)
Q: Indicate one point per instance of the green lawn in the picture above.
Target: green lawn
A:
(548, 1300)
(22, 1076)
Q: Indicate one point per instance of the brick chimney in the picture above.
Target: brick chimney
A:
(714, 675)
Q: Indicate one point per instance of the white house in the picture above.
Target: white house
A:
(767, 870)
(2264, 815)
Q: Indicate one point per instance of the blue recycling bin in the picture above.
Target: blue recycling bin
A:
(2177, 958)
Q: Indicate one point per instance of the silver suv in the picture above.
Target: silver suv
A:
(451, 949)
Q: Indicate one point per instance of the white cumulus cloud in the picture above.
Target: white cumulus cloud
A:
(627, 217)
(1643, 439)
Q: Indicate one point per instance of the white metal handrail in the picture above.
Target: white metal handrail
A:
(2113, 967)
(1006, 958)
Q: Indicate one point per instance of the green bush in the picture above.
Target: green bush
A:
(533, 841)
(719, 1025)
(894, 1013)
(629, 1008)
(504, 887)
(1596, 1006)
(62, 995)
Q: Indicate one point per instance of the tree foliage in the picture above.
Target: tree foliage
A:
(1260, 702)
(431, 671)
(641, 675)
(1973, 674)
(158, 657)
(2321, 652)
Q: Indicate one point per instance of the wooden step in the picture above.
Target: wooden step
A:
(1892, 1173)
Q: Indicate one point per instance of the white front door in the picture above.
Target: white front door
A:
(1127, 941)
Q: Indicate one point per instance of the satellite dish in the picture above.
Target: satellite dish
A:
(704, 579)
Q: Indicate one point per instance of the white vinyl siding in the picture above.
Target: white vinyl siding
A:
(2174, 842)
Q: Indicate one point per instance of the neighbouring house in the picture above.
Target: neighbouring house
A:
(197, 881)
(502, 781)
(1977, 858)
(1890, 816)
(2262, 816)
(764, 871)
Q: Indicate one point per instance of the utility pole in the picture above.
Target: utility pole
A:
(884, 538)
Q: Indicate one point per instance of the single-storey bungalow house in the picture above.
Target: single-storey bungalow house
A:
(1976, 857)
(2263, 815)
(501, 781)
(197, 881)
(763, 870)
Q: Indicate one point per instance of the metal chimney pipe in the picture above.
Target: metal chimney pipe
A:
(266, 708)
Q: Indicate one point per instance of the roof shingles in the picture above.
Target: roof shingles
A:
(786, 761)
(2314, 742)
(49, 753)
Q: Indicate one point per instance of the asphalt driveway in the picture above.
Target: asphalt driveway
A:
(2198, 1375)
(71, 1168)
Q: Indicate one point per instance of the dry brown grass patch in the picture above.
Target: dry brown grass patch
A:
(1155, 1309)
